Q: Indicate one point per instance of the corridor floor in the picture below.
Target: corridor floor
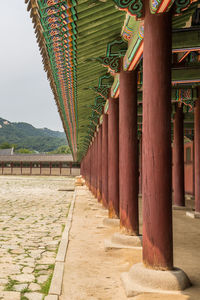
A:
(93, 274)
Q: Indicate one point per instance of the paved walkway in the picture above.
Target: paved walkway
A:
(32, 216)
(93, 274)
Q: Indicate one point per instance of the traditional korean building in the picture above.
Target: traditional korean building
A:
(37, 164)
(126, 80)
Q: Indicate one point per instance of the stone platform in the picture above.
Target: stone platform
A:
(92, 273)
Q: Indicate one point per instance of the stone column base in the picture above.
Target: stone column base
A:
(176, 207)
(193, 214)
(122, 241)
(111, 222)
(144, 280)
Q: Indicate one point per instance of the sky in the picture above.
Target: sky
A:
(25, 94)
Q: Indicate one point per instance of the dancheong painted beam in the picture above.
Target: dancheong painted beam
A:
(78, 39)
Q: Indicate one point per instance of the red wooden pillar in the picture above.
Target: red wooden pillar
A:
(96, 164)
(92, 167)
(197, 154)
(156, 160)
(128, 153)
(105, 160)
(11, 168)
(21, 167)
(99, 191)
(113, 158)
(82, 167)
(140, 165)
(81, 170)
(85, 167)
(178, 158)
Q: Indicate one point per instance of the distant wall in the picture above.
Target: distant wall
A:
(188, 168)
(48, 171)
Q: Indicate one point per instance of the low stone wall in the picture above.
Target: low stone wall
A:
(75, 172)
(42, 171)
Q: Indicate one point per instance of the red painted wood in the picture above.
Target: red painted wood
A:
(178, 158)
(96, 165)
(99, 190)
(128, 153)
(88, 168)
(113, 158)
(140, 166)
(189, 169)
(156, 155)
(105, 160)
(197, 154)
(92, 168)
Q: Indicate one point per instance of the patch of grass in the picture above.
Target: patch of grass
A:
(4, 228)
(10, 284)
(63, 227)
(27, 252)
(46, 285)
(23, 297)
(51, 267)
(25, 290)
(36, 272)
(57, 248)
(35, 281)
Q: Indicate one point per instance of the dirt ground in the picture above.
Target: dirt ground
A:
(93, 274)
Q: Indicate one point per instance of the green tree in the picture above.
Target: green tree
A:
(61, 150)
(6, 145)
(25, 151)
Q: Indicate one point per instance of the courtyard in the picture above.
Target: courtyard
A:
(32, 218)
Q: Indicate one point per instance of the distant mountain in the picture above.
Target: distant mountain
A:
(27, 136)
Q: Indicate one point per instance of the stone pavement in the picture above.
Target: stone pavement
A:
(91, 273)
(32, 217)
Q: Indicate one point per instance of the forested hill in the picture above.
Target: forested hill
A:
(24, 135)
